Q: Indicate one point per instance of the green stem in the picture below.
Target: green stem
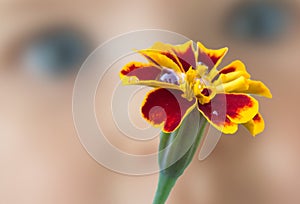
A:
(177, 150)
(165, 185)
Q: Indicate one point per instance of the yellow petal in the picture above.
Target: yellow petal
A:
(258, 88)
(256, 125)
(231, 72)
(175, 48)
(238, 85)
(241, 107)
(155, 56)
(234, 66)
(228, 127)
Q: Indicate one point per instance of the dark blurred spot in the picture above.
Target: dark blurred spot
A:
(206, 92)
(56, 52)
(259, 20)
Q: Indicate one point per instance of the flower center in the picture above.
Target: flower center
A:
(193, 83)
(196, 85)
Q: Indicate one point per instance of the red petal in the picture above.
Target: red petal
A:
(210, 57)
(141, 70)
(186, 55)
(215, 112)
(224, 111)
(183, 55)
(241, 107)
(166, 106)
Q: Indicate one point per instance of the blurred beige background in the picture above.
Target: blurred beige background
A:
(42, 160)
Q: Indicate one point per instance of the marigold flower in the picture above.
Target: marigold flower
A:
(185, 78)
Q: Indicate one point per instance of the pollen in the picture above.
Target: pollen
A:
(197, 86)
(191, 75)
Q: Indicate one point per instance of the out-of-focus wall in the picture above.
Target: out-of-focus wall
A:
(41, 158)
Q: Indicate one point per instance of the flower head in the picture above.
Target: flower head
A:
(185, 78)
